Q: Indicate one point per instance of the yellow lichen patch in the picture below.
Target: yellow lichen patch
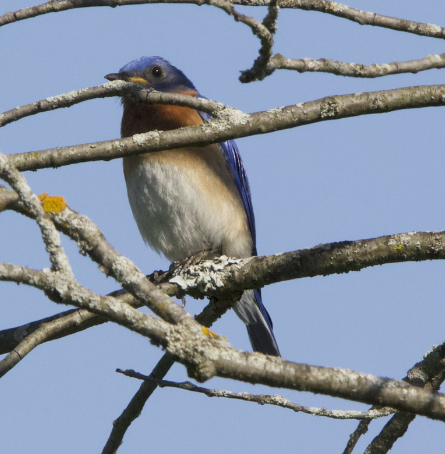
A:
(52, 203)
(207, 332)
(399, 246)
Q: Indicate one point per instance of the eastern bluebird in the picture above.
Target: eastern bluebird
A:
(193, 199)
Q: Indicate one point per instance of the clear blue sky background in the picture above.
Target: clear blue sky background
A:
(332, 181)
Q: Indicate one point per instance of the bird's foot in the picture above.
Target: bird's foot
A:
(179, 266)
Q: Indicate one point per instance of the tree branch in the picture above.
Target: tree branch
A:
(50, 235)
(264, 31)
(43, 333)
(428, 373)
(207, 355)
(210, 277)
(136, 405)
(328, 7)
(120, 426)
(238, 125)
(110, 89)
(224, 277)
(340, 68)
(262, 399)
(91, 241)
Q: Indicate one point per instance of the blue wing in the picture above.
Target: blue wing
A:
(259, 324)
(231, 153)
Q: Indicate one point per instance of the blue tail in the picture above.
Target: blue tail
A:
(251, 311)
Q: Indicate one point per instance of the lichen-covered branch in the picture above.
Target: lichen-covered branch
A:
(428, 373)
(236, 124)
(225, 277)
(107, 90)
(210, 277)
(207, 355)
(63, 289)
(50, 236)
(328, 7)
(340, 68)
(91, 241)
(262, 399)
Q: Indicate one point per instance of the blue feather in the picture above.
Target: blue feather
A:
(231, 153)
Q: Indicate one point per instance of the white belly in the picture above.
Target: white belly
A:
(183, 206)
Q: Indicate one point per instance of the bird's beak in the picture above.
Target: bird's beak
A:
(114, 76)
(126, 78)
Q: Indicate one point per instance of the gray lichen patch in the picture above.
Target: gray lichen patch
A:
(206, 276)
(226, 119)
(402, 239)
(329, 108)
(142, 139)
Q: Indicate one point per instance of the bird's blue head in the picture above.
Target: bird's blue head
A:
(153, 72)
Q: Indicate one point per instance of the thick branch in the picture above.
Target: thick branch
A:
(207, 355)
(224, 277)
(209, 277)
(238, 125)
(328, 7)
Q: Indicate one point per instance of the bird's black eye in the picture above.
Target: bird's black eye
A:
(156, 71)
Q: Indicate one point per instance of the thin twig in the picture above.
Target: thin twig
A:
(262, 399)
(262, 66)
(207, 317)
(428, 373)
(136, 405)
(107, 90)
(340, 68)
(264, 31)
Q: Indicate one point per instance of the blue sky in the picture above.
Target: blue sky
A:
(333, 181)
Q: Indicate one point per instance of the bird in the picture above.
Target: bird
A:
(190, 200)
